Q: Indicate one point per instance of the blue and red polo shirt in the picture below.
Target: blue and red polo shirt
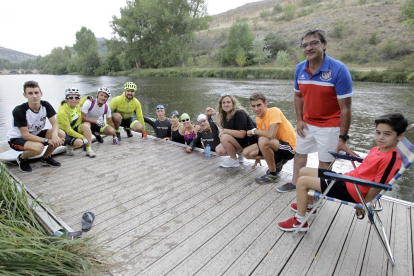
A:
(321, 91)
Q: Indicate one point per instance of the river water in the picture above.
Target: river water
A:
(193, 95)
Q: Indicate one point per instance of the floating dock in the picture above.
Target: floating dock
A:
(164, 211)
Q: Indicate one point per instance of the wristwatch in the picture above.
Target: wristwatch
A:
(344, 137)
(46, 142)
(254, 130)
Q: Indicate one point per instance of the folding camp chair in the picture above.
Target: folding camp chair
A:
(406, 150)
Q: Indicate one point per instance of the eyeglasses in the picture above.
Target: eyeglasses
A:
(160, 108)
(201, 121)
(225, 94)
(312, 44)
(185, 120)
(76, 98)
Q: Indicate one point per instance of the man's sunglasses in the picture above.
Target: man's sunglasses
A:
(76, 98)
(160, 108)
(185, 120)
(225, 94)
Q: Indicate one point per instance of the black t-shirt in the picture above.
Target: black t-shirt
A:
(23, 116)
(162, 129)
(240, 121)
(210, 137)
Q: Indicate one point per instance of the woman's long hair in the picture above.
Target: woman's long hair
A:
(223, 115)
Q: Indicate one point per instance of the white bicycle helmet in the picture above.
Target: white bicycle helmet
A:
(72, 91)
(105, 90)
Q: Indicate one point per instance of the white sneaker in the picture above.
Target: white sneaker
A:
(240, 157)
(90, 153)
(70, 152)
(230, 163)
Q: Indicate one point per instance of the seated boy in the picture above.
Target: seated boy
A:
(380, 165)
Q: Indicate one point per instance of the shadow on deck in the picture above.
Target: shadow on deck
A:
(164, 211)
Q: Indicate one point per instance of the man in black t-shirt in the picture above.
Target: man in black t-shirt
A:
(208, 134)
(28, 134)
(162, 125)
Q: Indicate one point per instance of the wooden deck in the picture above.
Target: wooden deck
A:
(164, 211)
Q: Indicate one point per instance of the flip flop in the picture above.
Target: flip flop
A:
(62, 233)
(87, 220)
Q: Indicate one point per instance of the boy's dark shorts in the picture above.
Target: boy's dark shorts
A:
(338, 190)
(18, 143)
(126, 123)
(285, 152)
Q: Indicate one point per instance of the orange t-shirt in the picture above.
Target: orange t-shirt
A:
(285, 132)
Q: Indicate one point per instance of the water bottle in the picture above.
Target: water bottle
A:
(207, 151)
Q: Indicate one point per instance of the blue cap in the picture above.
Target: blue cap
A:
(160, 106)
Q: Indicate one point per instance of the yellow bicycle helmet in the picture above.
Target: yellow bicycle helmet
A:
(130, 86)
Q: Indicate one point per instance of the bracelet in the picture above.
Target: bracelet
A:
(254, 130)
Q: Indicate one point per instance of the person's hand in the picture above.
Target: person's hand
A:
(166, 139)
(85, 141)
(344, 147)
(221, 132)
(210, 111)
(188, 149)
(300, 126)
(249, 133)
(115, 140)
(56, 141)
(144, 135)
(256, 162)
(100, 122)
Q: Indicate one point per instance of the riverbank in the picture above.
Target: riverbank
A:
(385, 76)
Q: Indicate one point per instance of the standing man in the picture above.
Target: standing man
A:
(162, 125)
(276, 138)
(94, 112)
(28, 134)
(323, 91)
(123, 107)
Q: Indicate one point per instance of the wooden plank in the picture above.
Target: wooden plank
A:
(376, 261)
(251, 245)
(204, 254)
(400, 241)
(326, 257)
(197, 239)
(353, 252)
(299, 249)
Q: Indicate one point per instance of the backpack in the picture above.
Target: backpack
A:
(83, 100)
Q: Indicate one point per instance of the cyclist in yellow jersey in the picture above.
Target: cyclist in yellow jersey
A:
(123, 107)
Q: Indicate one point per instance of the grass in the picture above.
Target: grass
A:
(24, 245)
(388, 76)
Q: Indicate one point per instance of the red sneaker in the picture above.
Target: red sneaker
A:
(292, 224)
(294, 207)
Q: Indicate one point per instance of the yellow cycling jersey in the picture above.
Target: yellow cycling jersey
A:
(126, 109)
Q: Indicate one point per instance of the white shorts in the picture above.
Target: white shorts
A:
(318, 139)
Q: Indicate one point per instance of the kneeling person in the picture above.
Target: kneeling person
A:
(208, 134)
(276, 138)
(28, 134)
(94, 112)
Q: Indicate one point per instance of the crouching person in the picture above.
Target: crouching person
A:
(69, 119)
(28, 134)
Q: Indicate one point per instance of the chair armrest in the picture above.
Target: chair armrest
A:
(346, 157)
(359, 181)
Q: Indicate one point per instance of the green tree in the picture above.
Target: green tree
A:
(158, 33)
(85, 41)
(241, 57)
(275, 43)
(282, 58)
(240, 37)
(407, 12)
(260, 52)
(289, 11)
(58, 61)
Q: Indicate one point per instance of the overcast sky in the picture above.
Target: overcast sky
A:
(37, 26)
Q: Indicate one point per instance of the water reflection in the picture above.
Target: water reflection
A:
(193, 95)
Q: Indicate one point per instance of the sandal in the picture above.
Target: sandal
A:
(87, 220)
(360, 214)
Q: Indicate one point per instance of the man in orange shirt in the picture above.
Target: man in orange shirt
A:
(276, 138)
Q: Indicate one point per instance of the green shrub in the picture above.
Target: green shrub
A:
(374, 39)
(265, 14)
(339, 30)
(304, 12)
(282, 58)
(290, 11)
(277, 9)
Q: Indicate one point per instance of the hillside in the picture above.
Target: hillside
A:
(362, 32)
(14, 56)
